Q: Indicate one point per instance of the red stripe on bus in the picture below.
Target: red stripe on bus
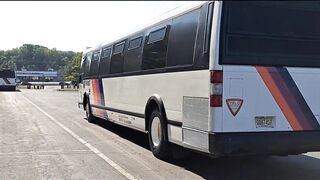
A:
(279, 98)
(287, 88)
(96, 95)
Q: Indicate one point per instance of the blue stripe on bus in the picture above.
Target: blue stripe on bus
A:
(101, 92)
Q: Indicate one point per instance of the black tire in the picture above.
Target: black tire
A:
(89, 114)
(162, 150)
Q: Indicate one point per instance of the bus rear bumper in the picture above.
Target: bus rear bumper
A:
(263, 143)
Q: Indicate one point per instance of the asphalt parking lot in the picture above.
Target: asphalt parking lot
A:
(44, 135)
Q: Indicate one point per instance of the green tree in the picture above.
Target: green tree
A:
(38, 58)
(73, 68)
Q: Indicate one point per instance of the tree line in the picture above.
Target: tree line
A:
(39, 58)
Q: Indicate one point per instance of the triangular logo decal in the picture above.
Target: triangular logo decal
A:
(234, 105)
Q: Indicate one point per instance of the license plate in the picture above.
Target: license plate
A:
(265, 122)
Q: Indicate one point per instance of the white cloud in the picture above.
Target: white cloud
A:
(74, 25)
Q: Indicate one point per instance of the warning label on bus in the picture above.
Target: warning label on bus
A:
(234, 105)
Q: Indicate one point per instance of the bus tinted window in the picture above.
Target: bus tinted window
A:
(96, 56)
(87, 64)
(83, 61)
(116, 64)
(133, 57)
(182, 39)
(105, 61)
(7, 74)
(106, 52)
(94, 67)
(118, 48)
(135, 43)
(155, 50)
(271, 33)
(157, 35)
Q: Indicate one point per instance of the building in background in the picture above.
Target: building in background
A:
(34, 76)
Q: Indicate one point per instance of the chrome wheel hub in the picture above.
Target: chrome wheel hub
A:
(156, 131)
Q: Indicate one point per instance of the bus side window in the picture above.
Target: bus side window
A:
(104, 66)
(155, 49)
(202, 47)
(87, 64)
(182, 39)
(94, 67)
(208, 27)
(116, 63)
(83, 63)
(133, 56)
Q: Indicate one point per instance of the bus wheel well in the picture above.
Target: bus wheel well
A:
(154, 102)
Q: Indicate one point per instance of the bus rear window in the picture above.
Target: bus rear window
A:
(7, 74)
(270, 33)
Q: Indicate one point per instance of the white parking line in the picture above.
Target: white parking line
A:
(92, 148)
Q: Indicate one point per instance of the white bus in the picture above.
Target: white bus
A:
(7, 80)
(224, 78)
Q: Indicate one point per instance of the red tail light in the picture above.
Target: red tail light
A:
(216, 101)
(216, 78)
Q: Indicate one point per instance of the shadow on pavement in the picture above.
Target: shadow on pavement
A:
(132, 135)
(291, 167)
(17, 90)
(250, 167)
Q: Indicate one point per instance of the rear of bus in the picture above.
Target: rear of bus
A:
(265, 78)
(7, 80)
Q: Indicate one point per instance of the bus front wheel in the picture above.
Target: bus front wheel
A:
(157, 135)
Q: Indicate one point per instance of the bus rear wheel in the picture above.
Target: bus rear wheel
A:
(89, 114)
(157, 135)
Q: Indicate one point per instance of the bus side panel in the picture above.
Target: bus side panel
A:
(131, 94)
